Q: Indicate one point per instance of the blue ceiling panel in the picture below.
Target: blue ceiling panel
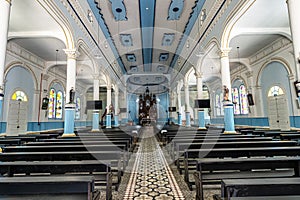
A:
(168, 39)
(118, 10)
(147, 15)
(175, 9)
(163, 56)
(126, 40)
(131, 57)
(188, 28)
(97, 12)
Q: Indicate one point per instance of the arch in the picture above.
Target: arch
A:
(225, 38)
(22, 65)
(61, 20)
(279, 60)
(82, 45)
(58, 82)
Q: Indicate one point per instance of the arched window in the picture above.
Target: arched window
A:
(240, 101)
(59, 102)
(55, 106)
(19, 96)
(78, 108)
(219, 104)
(275, 91)
(243, 100)
(236, 100)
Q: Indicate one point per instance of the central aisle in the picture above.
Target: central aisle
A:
(151, 176)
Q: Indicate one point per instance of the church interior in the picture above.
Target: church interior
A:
(149, 99)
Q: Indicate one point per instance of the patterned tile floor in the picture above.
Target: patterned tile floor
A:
(151, 174)
(151, 177)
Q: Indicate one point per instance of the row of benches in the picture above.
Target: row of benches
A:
(214, 157)
(105, 155)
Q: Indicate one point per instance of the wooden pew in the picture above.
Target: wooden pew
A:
(106, 157)
(102, 171)
(59, 187)
(191, 156)
(288, 136)
(259, 187)
(211, 171)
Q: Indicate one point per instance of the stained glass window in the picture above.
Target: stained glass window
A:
(52, 104)
(243, 100)
(275, 91)
(236, 101)
(59, 100)
(55, 106)
(19, 96)
(78, 107)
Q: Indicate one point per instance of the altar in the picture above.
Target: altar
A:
(147, 108)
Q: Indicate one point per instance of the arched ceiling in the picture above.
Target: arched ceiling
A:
(146, 36)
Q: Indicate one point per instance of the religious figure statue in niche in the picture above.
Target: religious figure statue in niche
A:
(226, 93)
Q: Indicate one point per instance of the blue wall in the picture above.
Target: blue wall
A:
(275, 73)
(163, 107)
(132, 108)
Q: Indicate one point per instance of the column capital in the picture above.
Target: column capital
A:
(8, 1)
(108, 87)
(95, 76)
(72, 53)
(198, 74)
(224, 52)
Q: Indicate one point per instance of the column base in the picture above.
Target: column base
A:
(229, 132)
(68, 135)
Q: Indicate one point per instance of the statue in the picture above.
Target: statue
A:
(226, 93)
(72, 95)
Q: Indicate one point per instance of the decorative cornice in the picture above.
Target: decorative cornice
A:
(274, 47)
(224, 52)
(72, 53)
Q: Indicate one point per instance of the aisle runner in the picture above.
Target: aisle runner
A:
(151, 177)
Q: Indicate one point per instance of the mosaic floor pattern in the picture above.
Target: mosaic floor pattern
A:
(151, 176)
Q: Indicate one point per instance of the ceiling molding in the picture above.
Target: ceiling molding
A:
(175, 9)
(118, 9)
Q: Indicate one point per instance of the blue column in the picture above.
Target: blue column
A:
(116, 121)
(228, 118)
(95, 120)
(108, 121)
(201, 119)
(187, 119)
(179, 119)
(69, 120)
(1, 110)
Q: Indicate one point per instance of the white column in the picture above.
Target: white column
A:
(108, 114)
(4, 21)
(199, 85)
(252, 109)
(108, 97)
(225, 70)
(95, 126)
(96, 88)
(116, 107)
(228, 106)
(294, 15)
(186, 96)
(69, 122)
(179, 97)
(72, 54)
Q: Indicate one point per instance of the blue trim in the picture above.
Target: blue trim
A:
(97, 11)
(3, 127)
(188, 28)
(147, 15)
